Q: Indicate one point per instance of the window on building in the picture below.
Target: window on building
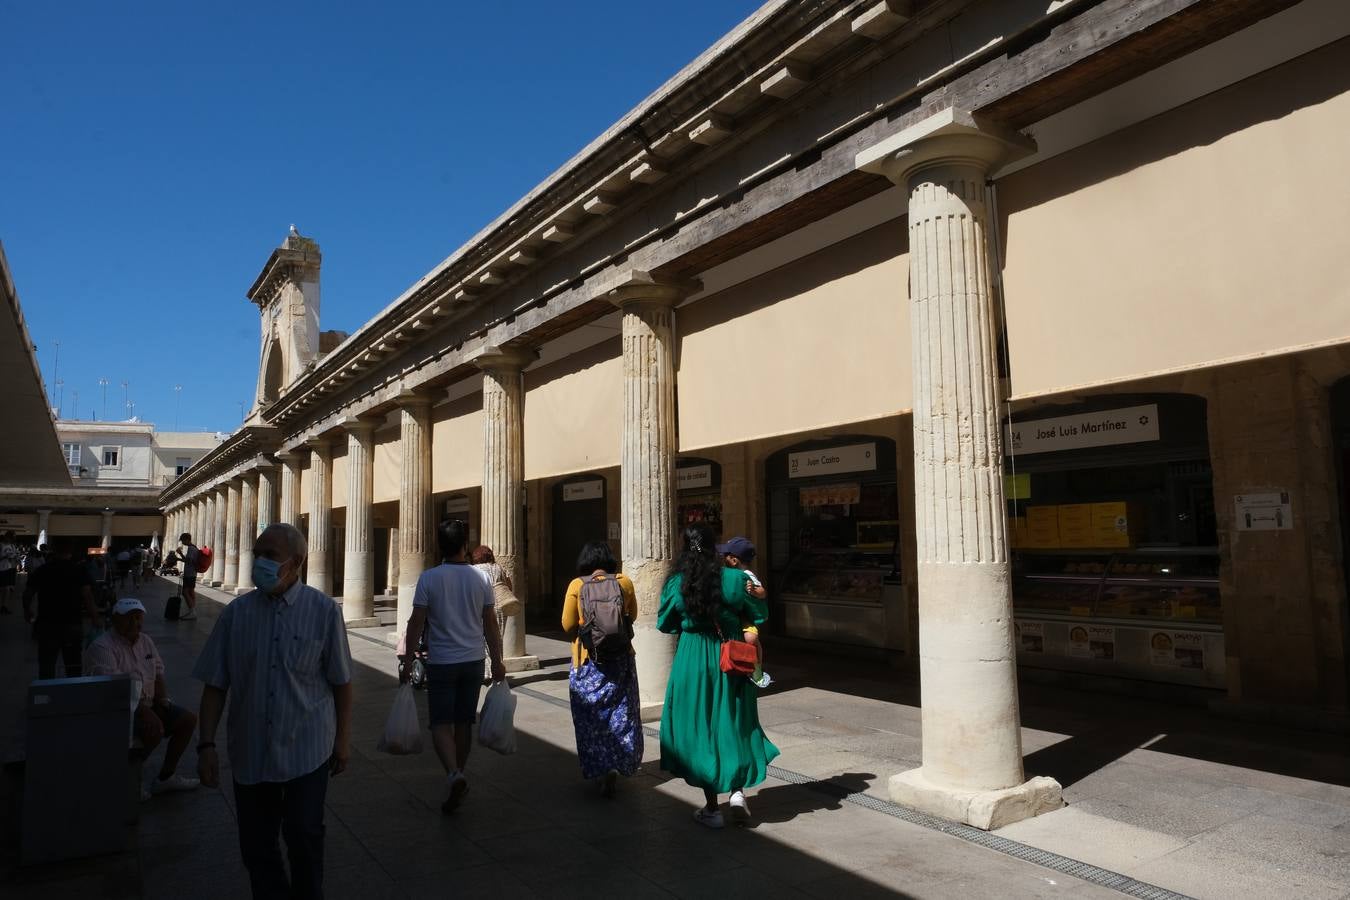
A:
(72, 454)
(183, 463)
(112, 457)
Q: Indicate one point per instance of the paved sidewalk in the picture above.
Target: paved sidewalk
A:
(1208, 807)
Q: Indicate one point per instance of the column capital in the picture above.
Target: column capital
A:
(320, 442)
(493, 358)
(263, 462)
(290, 457)
(950, 136)
(360, 424)
(637, 286)
(414, 399)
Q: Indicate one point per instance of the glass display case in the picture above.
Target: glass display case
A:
(1178, 585)
(851, 575)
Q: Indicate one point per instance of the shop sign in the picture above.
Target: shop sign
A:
(692, 477)
(455, 505)
(1030, 636)
(583, 490)
(830, 495)
(835, 460)
(19, 523)
(1269, 511)
(1092, 642)
(1104, 428)
(1177, 649)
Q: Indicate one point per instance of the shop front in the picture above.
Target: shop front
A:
(834, 543)
(579, 517)
(698, 494)
(1113, 536)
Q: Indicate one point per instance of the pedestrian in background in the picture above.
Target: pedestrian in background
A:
(279, 655)
(9, 569)
(190, 555)
(503, 592)
(65, 598)
(454, 601)
(710, 731)
(606, 711)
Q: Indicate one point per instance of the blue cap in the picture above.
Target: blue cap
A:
(740, 547)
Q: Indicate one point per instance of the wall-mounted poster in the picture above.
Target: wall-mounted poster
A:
(1177, 649)
(1092, 642)
(1030, 636)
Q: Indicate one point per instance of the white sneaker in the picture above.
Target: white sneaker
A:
(710, 818)
(174, 783)
(740, 809)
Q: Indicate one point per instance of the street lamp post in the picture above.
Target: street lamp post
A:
(103, 383)
(177, 403)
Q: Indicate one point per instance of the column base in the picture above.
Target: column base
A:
(650, 711)
(521, 663)
(982, 809)
(241, 591)
(367, 622)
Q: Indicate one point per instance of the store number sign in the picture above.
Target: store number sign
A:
(583, 490)
(691, 477)
(850, 458)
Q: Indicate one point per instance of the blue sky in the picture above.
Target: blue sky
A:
(155, 152)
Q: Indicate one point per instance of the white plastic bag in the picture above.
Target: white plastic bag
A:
(496, 723)
(402, 730)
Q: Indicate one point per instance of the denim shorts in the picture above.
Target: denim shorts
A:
(452, 692)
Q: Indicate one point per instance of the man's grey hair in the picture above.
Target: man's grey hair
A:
(295, 539)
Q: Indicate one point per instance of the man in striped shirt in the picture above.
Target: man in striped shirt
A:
(279, 653)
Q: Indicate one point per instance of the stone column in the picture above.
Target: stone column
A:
(503, 507)
(219, 511)
(231, 534)
(647, 467)
(106, 540)
(290, 488)
(44, 521)
(248, 521)
(267, 498)
(414, 499)
(358, 570)
(391, 564)
(972, 745)
(320, 514)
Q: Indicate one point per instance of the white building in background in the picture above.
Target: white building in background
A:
(129, 454)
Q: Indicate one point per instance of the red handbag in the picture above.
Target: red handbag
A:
(738, 656)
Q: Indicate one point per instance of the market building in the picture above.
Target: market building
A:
(1015, 334)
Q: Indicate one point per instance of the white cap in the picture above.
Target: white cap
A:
(127, 605)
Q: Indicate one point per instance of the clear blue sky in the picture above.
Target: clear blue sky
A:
(154, 153)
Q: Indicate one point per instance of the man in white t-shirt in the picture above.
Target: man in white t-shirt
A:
(455, 603)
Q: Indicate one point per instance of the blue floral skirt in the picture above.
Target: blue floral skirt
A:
(607, 717)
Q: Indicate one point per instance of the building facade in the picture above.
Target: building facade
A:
(1015, 335)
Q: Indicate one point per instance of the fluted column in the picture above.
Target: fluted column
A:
(647, 467)
(414, 498)
(290, 487)
(248, 520)
(503, 516)
(358, 567)
(220, 508)
(105, 539)
(231, 534)
(267, 498)
(320, 514)
(972, 747)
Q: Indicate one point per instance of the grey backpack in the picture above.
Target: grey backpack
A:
(606, 633)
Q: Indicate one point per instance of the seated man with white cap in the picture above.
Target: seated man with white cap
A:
(125, 650)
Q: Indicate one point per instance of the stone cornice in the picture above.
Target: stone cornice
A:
(233, 455)
(298, 256)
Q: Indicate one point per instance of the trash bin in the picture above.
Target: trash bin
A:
(75, 796)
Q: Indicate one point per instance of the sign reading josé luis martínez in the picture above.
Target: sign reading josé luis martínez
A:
(1102, 428)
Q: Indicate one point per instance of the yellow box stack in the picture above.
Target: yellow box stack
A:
(1075, 525)
(1111, 525)
(1042, 527)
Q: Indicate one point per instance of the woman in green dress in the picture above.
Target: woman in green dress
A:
(710, 733)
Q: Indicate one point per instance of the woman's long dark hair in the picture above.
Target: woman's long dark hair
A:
(700, 570)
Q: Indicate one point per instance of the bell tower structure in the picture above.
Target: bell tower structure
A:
(286, 293)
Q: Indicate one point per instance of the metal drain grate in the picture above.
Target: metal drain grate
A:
(1065, 865)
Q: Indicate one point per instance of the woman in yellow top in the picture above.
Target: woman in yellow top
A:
(605, 708)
